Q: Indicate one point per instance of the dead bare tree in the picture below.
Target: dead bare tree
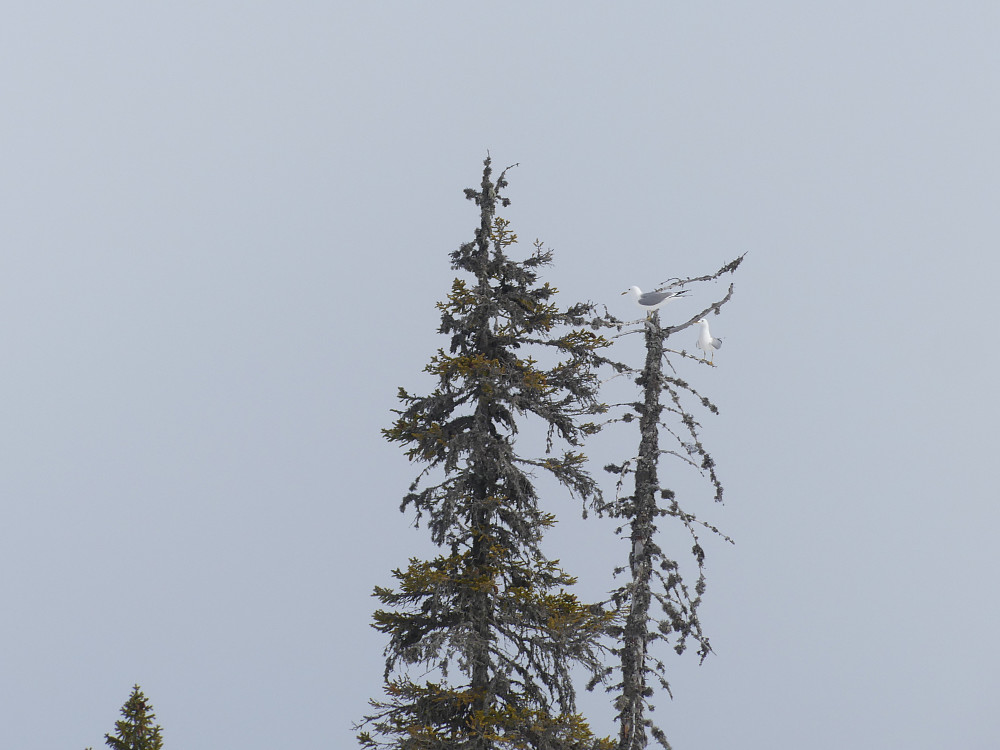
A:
(654, 575)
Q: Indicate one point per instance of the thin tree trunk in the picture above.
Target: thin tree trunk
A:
(633, 728)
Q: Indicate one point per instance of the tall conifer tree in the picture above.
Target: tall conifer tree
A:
(492, 607)
(653, 575)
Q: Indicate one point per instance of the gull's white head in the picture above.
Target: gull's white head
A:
(633, 291)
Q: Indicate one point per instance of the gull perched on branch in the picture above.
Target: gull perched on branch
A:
(650, 301)
(705, 341)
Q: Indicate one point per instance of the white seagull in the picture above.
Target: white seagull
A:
(650, 301)
(705, 341)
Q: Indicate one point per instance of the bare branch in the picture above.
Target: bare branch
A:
(716, 306)
(730, 267)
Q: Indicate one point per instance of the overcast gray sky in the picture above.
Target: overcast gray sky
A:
(224, 228)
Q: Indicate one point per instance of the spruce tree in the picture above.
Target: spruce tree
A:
(491, 606)
(136, 730)
(653, 576)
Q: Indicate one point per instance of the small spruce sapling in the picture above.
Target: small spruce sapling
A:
(136, 730)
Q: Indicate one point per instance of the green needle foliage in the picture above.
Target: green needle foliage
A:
(491, 606)
(136, 730)
(655, 577)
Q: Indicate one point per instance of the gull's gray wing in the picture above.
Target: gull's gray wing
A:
(717, 343)
(654, 298)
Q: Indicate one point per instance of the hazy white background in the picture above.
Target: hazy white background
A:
(223, 229)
